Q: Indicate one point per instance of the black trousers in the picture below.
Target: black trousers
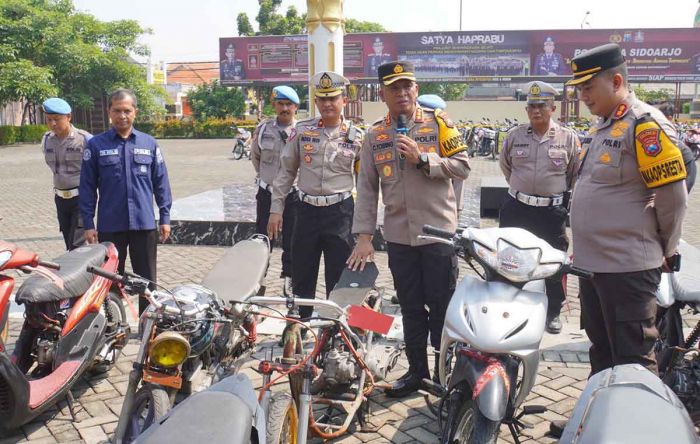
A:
(320, 230)
(69, 221)
(548, 223)
(424, 276)
(618, 312)
(142, 247)
(264, 201)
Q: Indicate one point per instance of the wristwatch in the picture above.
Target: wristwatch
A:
(422, 160)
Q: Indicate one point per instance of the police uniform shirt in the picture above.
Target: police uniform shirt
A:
(412, 197)
(547, 64)
(630, 197)
(127, 174)
(268, 140)
(64, 156)
(323, 157)
(539, 166)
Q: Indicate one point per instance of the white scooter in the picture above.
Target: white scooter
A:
(489, 351)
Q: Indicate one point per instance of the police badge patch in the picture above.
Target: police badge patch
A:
(650, 141)
(87, 154)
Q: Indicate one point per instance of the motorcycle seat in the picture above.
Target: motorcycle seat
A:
(240, 272)
(686, 282)
(71, 281)
(220, 417)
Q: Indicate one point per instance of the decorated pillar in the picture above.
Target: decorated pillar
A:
(325, 25)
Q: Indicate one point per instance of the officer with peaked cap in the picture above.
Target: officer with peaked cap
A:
(63, 149)
(538, 160)
(322, 152)
(269, 138)
(627, 211)
(414, 171)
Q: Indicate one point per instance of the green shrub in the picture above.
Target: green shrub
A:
(19, 134)
(189, 128)
(32, 133)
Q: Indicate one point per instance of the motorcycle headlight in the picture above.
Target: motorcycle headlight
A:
(516, 264)
(169, 349)
(4, 257)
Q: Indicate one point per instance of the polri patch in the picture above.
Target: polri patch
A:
(650, 141)
(307, 158)
(87, 154)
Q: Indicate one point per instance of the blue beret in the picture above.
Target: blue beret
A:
(285, 93)
(431, 101)
(55, 105)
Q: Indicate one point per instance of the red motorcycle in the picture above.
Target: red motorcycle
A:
(73, 322)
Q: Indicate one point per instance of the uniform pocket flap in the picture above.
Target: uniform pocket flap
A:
(635, 312)
(142, 159)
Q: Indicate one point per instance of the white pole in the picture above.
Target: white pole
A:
(325, 25)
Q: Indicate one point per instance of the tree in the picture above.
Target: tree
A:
(271, 22)
(352, 25)
(77, 55)
(447, 91)
(653, 96)
(243, 25)
(217, 101)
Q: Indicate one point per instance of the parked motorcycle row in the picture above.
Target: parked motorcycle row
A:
(75, 322)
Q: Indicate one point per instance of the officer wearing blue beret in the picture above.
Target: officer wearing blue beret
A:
(268, 140)
(63, 147)
(125, 168)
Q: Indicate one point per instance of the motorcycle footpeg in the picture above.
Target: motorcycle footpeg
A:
(532, 410)
(432, 387)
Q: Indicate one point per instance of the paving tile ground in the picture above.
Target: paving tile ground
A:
(27, 218)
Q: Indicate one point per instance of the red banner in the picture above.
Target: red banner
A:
(653, 55)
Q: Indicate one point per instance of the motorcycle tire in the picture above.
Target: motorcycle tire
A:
(115, 313)
(238, 151)
(151, 403)
(471, 427)
(282, 420)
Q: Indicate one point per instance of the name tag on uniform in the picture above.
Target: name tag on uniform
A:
(143, 151)
(113, 152)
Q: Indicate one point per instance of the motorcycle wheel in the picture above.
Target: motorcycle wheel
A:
(115, 313)
(150, 404)
(238, 151)
(282, 419)
(471, 427)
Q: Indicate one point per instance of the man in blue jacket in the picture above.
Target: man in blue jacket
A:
(122, 170)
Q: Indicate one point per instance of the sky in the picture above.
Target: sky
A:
(187, 31)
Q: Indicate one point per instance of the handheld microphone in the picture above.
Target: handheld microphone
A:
(401, 128)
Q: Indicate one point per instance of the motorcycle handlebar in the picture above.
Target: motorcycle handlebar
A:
(438, 232)
(105, 274)
(579, 272)
(48, 264)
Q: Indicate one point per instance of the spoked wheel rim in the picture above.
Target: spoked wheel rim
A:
(290, 427)
(465, 427)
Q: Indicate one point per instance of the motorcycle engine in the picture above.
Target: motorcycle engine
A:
(339, 368)
(199, 331)
(684, 380)
(381, 359)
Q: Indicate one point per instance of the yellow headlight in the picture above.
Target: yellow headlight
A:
(169, 349)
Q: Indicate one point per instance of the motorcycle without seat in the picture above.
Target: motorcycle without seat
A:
(241, 271)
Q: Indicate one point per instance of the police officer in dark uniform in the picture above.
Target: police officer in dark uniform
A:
(322, 152)
(538, 160)
(376, 58)
(63, 149)
(126, 168)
